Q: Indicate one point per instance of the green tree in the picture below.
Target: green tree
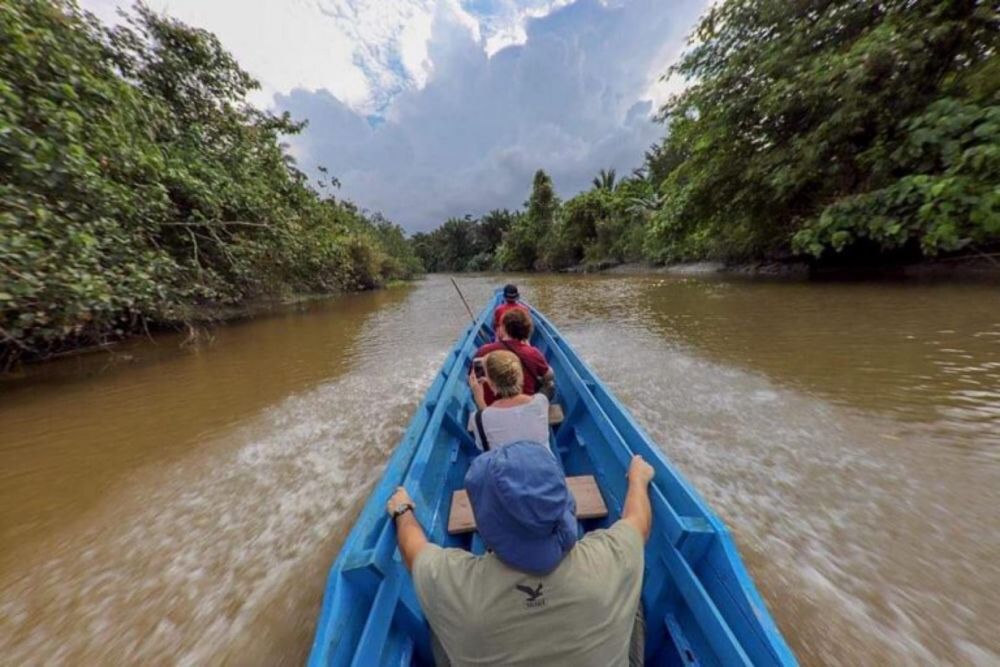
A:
(605, 180)
(457, 243)
(491, 229)
(423, 245)
(833, 124)
(521, 245)
(660, 160)
(577, 227)
(399, 259)
(602, 226)
(137, 184)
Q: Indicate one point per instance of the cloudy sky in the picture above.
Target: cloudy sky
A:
(426, 109)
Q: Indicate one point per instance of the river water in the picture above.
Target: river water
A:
(179, 502)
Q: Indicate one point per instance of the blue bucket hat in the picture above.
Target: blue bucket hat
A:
(523, 508)
(510, 291)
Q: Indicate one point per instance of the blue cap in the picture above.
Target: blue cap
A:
(510, 291)
(523, 508)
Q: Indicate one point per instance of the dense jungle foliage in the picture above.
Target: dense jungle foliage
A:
(606, 225)
(835, 130)
(136, 185)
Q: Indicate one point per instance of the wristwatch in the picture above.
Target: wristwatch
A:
(401, 509)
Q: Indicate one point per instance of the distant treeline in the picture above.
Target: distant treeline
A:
(136, 185)
(827, 129)
(605, 225)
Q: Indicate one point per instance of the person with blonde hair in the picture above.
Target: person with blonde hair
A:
(514, 335)
(513, 416)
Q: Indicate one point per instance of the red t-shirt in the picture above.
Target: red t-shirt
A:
(503, 308)
(532, 362)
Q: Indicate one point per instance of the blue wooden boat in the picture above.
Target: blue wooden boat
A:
(701, 606)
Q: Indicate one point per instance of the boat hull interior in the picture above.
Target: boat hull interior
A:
(700, 605)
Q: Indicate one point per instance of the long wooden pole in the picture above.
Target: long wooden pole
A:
(462, 297)
(469, 309)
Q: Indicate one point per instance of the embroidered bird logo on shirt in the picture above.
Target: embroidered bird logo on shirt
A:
(532, 593)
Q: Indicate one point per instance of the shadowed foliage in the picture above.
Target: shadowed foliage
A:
(834, 126)
(137, 185)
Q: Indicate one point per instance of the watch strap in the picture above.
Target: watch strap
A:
(401, 510)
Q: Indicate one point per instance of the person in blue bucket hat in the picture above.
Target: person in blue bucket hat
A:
(523, 508)
(540, 595)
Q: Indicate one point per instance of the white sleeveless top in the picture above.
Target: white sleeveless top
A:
(505, 426)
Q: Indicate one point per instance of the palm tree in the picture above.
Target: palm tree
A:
(646, 206)
(605, 180)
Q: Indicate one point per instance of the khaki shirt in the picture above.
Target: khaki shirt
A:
(582, 613)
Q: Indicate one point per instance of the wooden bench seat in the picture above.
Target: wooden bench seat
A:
(589, 504)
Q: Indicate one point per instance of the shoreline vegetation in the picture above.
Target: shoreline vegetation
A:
(972, 268)
(197, 326)
(139, 190)
(818, 138)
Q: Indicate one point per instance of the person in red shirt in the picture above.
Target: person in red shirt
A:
(513, 334)
(510, 302)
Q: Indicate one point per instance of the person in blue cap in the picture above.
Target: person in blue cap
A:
(540, 596)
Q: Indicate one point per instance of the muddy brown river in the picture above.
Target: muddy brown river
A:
(180, 502)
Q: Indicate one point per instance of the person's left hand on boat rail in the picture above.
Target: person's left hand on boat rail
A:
(399, 498)
(410, 536)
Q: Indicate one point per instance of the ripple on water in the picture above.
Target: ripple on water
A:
(840, 525)
(859, 477)
(180, 565)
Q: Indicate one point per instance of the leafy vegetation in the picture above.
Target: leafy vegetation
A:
(524, 243)
(464, 244)
(826, 129)
(601, 226)
(136, 184)
(824, 125)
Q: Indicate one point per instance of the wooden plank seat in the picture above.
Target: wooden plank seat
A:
(589, 504)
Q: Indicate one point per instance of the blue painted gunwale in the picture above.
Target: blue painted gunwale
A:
(700, 603)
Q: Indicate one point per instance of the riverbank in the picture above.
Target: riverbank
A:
(195, 322)
(197, 318)
(966, 268)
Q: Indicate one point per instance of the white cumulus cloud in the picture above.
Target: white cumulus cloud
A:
(363, 51)
(574, 97)
(430, 108)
